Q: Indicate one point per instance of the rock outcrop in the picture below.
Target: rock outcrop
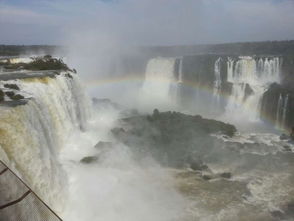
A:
(173, 138)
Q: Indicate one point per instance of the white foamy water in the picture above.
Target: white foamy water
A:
(250, 79)
(160, 84)
(116, 187)
(33, 134)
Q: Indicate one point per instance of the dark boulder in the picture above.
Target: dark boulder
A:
(10, 94)
(284, 137)
(89, 159)
(17, 97)
(270, 103)
(68, 76)
(226, 175)
(1, 95)
(11, 86)
(287, 148)
(14, 96)
(278, 214)
(198, 166)
(206, 177)
(248, 91)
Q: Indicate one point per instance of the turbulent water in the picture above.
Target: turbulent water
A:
(248, 176)
(33, 134)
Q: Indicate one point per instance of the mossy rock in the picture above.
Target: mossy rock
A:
(17, 97)
(11, 86)
(10, 94)
(173, 139)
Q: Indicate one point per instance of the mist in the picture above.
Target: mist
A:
(169, 164)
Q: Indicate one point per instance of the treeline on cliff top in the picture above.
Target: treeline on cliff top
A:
(285, 48)
(46, 62)
(242, 48)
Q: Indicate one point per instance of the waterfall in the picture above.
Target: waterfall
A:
(284, 113)
(217, 82)
(180, 78)
(281, 115)
(160, 84)
(230, 67)
(250, 78)
(279, 111)
(31, 135)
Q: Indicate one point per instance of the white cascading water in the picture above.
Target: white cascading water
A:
(282, 111)
(181, 78)
(285, 107)
(160, 84)
(247, 74)
(33, 134)
(279, 111)
(217, 82)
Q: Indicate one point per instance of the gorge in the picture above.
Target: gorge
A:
(94, 159)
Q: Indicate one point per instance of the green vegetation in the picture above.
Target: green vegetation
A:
(11, 86)
(172, 138)
(41, 63)
(16, 50)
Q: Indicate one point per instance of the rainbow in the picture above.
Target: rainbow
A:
(135, 79)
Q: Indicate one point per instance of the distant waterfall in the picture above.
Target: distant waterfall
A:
(160, 84)
(250, 78)
(217, 82)
(181, 78)
(31, 135)
(281, 115)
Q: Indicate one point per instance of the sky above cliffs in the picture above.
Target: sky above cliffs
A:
(145, 22)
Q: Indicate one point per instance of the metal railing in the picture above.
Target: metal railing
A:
(18, 202)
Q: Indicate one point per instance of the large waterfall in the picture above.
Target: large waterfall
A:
(217, 82)
(246, 77)
(160, 85)
(33, 133)
(250, 78)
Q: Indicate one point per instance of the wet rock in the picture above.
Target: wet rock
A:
(284, 137)
(198, 166)
(278, 214)
(10, 94)
(289, 210)
(14, 96)
(17, 97)
(174, 139)
(226, 175)
(68, 76)
(287, 148)
(1, 95)
(89, 159)
(206, 177)
(248, 91)
(11, 86)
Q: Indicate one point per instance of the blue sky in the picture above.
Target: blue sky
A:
(145, 22)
